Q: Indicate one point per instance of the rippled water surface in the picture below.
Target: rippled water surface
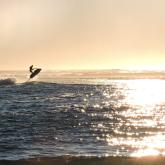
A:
(87, 117)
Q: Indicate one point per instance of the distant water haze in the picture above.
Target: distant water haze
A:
(22, 76)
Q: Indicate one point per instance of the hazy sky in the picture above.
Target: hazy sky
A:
(82, 34)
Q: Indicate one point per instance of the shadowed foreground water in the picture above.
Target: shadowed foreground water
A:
(88, 161)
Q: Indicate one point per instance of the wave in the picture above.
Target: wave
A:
(8, 81)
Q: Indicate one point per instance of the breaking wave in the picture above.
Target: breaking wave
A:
(7, 81)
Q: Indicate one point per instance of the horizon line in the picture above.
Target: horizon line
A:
(77, 70)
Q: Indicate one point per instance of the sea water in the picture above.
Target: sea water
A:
(52, 116)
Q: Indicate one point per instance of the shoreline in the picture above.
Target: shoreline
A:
(69, 160)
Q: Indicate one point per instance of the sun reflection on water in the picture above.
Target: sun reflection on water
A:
(139, 115)
(145, 92)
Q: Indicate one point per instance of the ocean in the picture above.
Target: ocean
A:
(53, 116)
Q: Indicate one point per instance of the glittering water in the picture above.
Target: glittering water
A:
(81, 117)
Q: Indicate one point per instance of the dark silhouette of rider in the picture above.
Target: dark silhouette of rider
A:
(31, 68)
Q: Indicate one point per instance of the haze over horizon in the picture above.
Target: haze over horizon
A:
(88, 34)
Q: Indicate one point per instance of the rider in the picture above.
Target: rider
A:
(31, 68)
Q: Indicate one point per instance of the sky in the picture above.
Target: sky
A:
(82, 34)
